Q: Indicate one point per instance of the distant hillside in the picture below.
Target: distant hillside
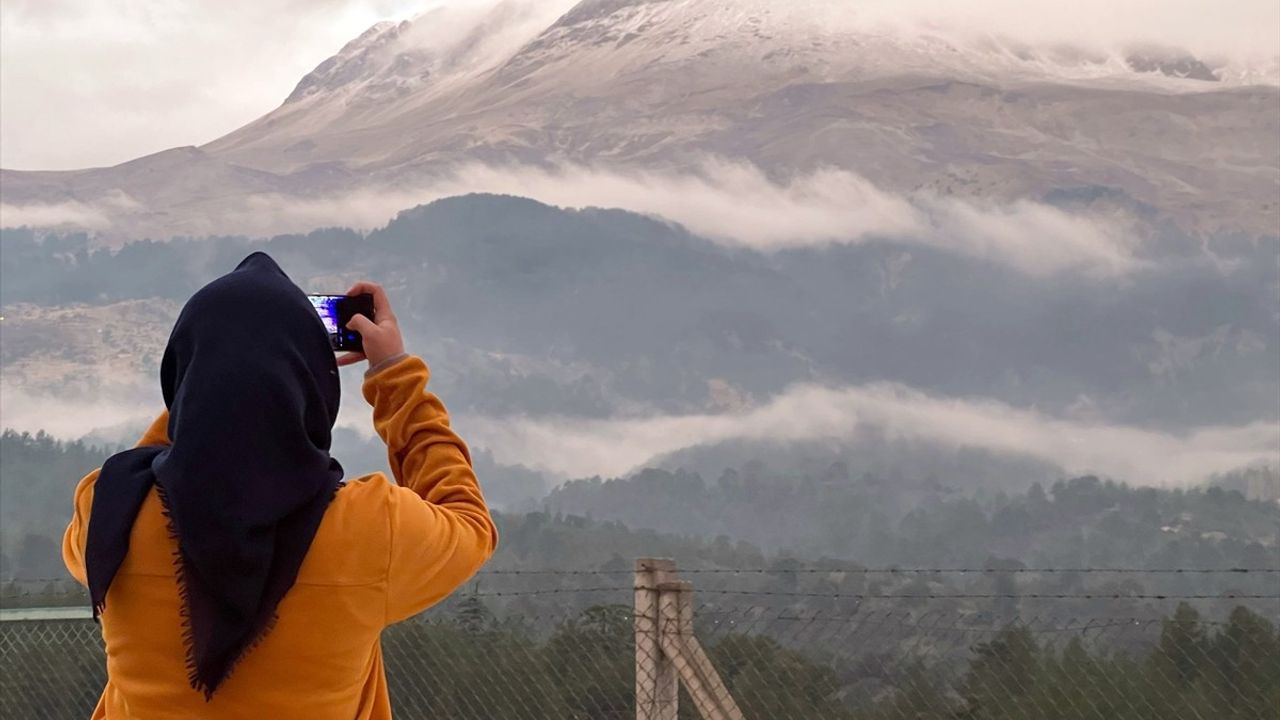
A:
(896, 520)
(532, 309)
(757, 516)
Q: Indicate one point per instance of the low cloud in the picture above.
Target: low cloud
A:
(74, 416)
(113, 405)
(96, 215)
(736, 204)
(51, 215)
(477, 35)
(733, 203)
(583, 447)
(573, 447)
(1244, 28)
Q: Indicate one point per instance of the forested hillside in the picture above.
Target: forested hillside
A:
(37, 477)
(1083, 522)
(754, 519)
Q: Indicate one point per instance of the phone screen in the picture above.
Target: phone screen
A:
(335, 311)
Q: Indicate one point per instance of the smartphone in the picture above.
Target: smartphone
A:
(335, 311)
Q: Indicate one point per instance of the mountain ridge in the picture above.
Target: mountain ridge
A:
(658, 85)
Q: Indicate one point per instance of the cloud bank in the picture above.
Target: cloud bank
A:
(71, 417)
(733, 203)
(119, 402)
(71, 213)
(96, 215)
(573, 447)
(1244, 27)
(737, 205)
(582, 447)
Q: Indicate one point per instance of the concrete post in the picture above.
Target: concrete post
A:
(657, 683)
(697, 674)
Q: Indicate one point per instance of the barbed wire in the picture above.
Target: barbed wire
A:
(548, 591)
(989, 571)
(823, 571)
(853, 596)
(69, 588)
(994, 596)
(903, 571)
(1029, 624)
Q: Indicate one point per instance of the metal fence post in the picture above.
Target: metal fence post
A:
(657, 682)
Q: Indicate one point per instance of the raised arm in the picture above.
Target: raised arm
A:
(73, 540)
(441, 530)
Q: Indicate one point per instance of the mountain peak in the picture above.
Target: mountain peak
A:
(352, 62)
(596, 9)
(1171, 63)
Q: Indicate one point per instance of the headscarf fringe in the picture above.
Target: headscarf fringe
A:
(184, 597)
(184, 611)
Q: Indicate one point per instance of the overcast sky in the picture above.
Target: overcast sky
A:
(96, 82)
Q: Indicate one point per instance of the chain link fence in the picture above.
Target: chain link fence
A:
(564, 645)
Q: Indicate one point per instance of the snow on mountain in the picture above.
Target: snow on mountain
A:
(352, 63)
(471, 59)
(661, 85)
(801, 37)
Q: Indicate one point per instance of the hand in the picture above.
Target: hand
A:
(382, 338)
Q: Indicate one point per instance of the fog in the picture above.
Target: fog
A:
(71, 213)
(95, 215)
(732, 203)
(71, 417)
(580, 448)
(119, 403)
(1238, 29)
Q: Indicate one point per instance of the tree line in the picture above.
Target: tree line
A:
(474, 664)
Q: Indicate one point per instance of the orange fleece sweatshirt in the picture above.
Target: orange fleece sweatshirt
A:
(383, 553)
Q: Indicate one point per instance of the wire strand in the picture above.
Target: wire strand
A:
(897, 571)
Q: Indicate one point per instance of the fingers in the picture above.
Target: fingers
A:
(362, 287)
(382, 338)
(361, 324)
(381, 303)
(350, 359)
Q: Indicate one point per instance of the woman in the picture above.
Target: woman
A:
(234, 572)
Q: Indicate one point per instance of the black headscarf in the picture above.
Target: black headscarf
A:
(252, 390)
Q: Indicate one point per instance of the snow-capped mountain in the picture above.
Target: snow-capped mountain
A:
(661, 85)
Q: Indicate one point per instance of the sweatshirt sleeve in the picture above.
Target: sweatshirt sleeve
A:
(440, 528)
(73, 540)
